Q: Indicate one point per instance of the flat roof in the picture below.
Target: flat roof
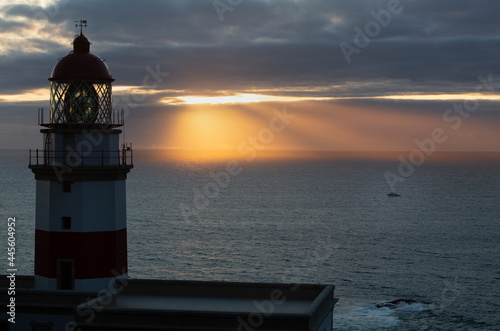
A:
(147, 304)
(219, 296)
(207, 304)
(226, 305)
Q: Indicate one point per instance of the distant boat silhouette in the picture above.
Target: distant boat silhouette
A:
(393, 194)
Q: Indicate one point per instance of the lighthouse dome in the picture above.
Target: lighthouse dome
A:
(80, 88)
(80, 64)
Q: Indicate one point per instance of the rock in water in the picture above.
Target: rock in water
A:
(396, 303)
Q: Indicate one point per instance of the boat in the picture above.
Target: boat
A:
(393, 194)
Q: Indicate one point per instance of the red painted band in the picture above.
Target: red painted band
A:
(95, 254)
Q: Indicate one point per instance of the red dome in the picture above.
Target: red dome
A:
(81, 64)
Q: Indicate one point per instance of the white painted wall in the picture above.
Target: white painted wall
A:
(68, 148)
(92, 206)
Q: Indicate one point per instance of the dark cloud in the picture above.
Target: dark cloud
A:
(277, 42)
(21, 10)
(9, 25)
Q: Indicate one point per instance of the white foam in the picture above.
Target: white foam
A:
(365, 317)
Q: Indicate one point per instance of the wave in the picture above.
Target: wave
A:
(373, 316)
(402, 305)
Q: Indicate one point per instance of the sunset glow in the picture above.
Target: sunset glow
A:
(209, 128)
(41, 94)
(441, 97)
(215, 84)
(329, 127)
(237, 98)
(254, 98)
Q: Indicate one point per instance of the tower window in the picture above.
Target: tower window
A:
(66, 223)
(66, 187)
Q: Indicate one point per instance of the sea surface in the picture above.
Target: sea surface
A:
(321, 220)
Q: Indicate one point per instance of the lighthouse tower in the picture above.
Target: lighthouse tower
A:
(81, 233)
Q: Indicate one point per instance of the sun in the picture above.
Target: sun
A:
(208, 128)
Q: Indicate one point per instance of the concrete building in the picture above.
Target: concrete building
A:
(139, 304)
(80, 280)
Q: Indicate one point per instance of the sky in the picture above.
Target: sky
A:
(243, 75)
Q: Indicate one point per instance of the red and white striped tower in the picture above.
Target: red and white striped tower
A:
(81, 233)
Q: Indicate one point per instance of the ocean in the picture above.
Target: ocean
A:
(317, 219)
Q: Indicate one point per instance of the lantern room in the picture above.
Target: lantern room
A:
(80, 88)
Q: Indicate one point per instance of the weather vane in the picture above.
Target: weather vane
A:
(81, 24)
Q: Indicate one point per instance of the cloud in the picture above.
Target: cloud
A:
(280, 47)
(279, 42)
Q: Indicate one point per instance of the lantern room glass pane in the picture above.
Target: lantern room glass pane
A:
(80, 102)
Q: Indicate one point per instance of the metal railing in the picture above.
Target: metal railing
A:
(117, 119)
(123, 157)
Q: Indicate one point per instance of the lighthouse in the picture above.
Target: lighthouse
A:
(80, 228)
